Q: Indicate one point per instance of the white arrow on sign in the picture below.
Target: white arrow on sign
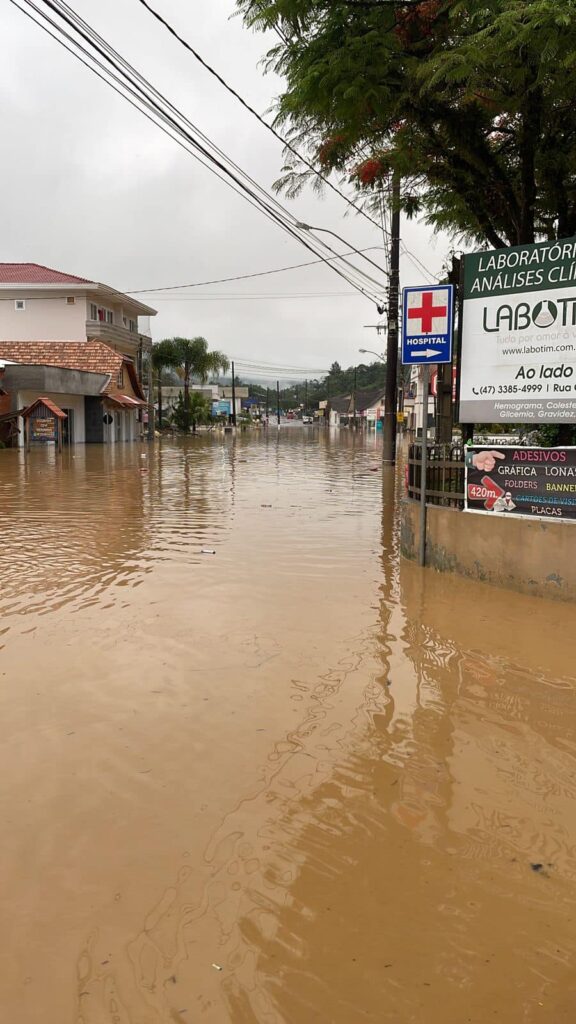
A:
(426, 352)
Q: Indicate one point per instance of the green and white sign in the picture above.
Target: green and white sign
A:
(518, 359)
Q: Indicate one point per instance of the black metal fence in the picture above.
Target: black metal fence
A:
(444, 477)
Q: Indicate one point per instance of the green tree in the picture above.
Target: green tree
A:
(164, 357)
(197, 411)
(194, 360)
(472, 103)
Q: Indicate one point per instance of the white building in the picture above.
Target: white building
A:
(413, 405)
(78, 343)
(38, 303)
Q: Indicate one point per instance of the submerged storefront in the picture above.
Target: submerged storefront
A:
(96, 387)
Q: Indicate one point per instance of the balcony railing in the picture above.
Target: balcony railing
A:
(113, 334)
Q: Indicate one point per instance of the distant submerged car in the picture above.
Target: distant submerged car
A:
(307, 419)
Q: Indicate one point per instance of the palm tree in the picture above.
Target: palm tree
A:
(195, 360)
(197, 411)
(164, 357)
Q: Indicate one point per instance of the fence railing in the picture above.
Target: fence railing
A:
(444, 476)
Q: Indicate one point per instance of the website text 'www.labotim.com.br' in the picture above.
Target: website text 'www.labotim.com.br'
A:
(531, 350)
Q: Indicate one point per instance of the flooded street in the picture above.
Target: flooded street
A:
(292, 781)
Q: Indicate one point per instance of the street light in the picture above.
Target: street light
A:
(309, 227)
(370, 352)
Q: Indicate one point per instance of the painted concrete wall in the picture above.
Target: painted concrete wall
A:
(43, 319)
(533, 556)
(124, 426)
(52, 318)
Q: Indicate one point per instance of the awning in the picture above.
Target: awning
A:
(126, 402)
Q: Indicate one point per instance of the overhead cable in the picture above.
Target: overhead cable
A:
(133, 84)
(188, 46)
(242, 277)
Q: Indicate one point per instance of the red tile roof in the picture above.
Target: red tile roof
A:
(49, 405)
(90, 356)
(35, 273)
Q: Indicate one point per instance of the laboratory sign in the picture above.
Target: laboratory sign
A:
(538, 482)
(518, 355)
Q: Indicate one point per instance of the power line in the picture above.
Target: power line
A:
(170, 28)
(418, 263)
(142, 99)
(113, 57)
(252, 296)
(241, 277)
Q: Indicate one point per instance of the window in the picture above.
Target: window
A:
(125, 321)
(70, 300)
(120, 377)
(100, 313)
(20, 305)
(132, 326)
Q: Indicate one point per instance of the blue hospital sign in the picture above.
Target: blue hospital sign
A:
(427, 324)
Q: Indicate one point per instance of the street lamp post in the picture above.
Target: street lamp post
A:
(370, 352)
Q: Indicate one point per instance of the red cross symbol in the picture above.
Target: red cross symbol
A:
(426, 312)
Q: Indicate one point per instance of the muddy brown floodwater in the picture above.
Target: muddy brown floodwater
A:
(293, 781)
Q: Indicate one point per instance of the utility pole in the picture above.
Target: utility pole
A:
(354, 395)
(444, 379)
(278, 402)
(389, 427)
(233, 396)
(267, 404)
(306, 398)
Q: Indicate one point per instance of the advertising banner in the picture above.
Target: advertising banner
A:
(221, 408)
(43, 429)
(518, 355)
(521, 481)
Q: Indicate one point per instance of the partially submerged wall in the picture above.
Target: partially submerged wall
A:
(534, 556)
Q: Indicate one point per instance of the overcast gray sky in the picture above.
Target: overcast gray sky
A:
(91, 187)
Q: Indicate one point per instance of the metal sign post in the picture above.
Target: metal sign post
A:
(427, 327)
(424, 464)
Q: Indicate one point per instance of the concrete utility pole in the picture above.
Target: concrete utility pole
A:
(389, 427)
(278, 401)
(444, 380)
(233, 396)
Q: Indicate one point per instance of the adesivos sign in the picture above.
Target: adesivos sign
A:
(518, 356)
(522, 481)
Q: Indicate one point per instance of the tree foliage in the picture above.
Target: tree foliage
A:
(195, 361)
(164, 358)
(336, 382)
(470, 100)
(197, 411)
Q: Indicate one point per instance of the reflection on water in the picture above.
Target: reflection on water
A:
(294, 781)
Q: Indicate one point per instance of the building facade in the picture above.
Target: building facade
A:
(77, 342)
(95, 386)
(37, 302)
